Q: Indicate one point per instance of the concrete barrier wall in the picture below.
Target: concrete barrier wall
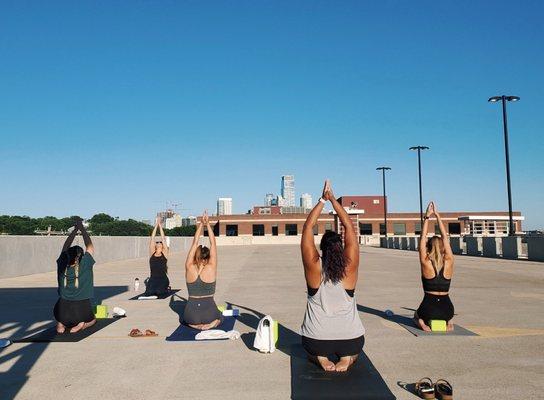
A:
(474, 245)
(26, 255)
(490, 247)
(456, 243)
(535, 248)
(511, 247)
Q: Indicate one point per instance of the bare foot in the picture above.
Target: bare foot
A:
(450, 326)
(60, 328)
(77, 328)
(423, 326)
(326, 364)
(88, 324)
(345, 363)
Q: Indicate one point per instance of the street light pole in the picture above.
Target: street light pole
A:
(504, 99)
(383, 169)
(419, 148)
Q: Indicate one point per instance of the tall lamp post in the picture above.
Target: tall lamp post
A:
(383, 169)
(419, 148)
(504, 99)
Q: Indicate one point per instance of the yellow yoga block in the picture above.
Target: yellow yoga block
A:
(222, 307)
(276, 331)
(100, 311)
(438, 325)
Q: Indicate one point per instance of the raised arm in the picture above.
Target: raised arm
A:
(194, 245)
(211, 237)
(424, 230)
(70, 239)
(165, 248)
(310, 255)
(153, 235)
(89, 248)
(351, 245)
(448, 253)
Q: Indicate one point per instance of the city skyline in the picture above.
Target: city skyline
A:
(334, 93)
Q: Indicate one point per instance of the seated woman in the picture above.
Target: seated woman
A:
(436, 259)
(331, 324)
(73, 309)
(158, 282)
(200, 274)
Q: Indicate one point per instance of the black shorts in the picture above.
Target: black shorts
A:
(435, 307)
(71, 312)
(201, 311)
(340, 348)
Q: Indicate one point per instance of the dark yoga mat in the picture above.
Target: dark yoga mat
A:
(161, 297)
(457, 331)
(185, 333)
(309, 381)
(51, 335)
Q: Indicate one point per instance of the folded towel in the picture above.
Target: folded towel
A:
(213, 334)
(147, 297)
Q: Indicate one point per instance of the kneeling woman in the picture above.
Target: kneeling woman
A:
(436, 259)
(200, 274)
(158, 282)
(331, 324)
(73, 309)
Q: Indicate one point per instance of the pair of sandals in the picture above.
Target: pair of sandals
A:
(441, 389)
(138, 333)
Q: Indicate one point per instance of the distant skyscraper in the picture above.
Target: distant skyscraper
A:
(306, 201)
(188, 221)
(288, 190)
(224, 206)
(173, 222)
(268, 199)
(280, 201)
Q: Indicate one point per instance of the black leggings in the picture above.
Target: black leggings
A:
(71, 312)
(201, 311)
(340, 348)
(157, 286)
(435, 307)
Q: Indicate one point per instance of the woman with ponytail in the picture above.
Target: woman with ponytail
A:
(200, 274)
(436, 259)
(331, 323)
(73, 309)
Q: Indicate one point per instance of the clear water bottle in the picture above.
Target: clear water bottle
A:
(136, 284)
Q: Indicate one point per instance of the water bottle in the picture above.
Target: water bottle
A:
(136, 284)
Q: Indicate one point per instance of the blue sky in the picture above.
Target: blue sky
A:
(119, 107)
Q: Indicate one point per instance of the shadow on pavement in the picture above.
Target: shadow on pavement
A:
(22, 308)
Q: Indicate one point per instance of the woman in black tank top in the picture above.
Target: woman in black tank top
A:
(158, 282)
(436, 260)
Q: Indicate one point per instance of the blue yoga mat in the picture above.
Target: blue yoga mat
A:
(185, 333)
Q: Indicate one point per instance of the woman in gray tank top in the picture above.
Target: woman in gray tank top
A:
(331, 323)
(200, 274)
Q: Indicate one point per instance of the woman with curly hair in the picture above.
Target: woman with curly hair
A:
(331, 324)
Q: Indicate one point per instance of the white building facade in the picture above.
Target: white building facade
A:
(288, 190)
(224, 206)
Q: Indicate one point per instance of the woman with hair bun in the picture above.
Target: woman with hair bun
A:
(73, 309)
(331, 323)
(436, 261)
(200, 274)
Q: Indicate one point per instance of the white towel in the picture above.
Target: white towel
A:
(147, 298)
(264, 337)
(212, 334)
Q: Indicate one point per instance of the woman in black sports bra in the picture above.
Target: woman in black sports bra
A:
(158, 282)
(436, 259)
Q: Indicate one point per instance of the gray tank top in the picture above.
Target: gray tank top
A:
(331, 314)
(200, 288)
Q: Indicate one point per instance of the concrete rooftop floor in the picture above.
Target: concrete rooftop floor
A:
(500, 300)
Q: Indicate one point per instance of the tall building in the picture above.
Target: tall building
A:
(280, 201)
(288, 190)
(306, 201)
(268, 199)
(224, 206)
(188, 221)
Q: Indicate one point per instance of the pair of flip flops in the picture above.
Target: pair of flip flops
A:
(441, 389)
(138, 333)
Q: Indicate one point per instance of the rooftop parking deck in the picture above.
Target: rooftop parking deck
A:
(500, 300)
